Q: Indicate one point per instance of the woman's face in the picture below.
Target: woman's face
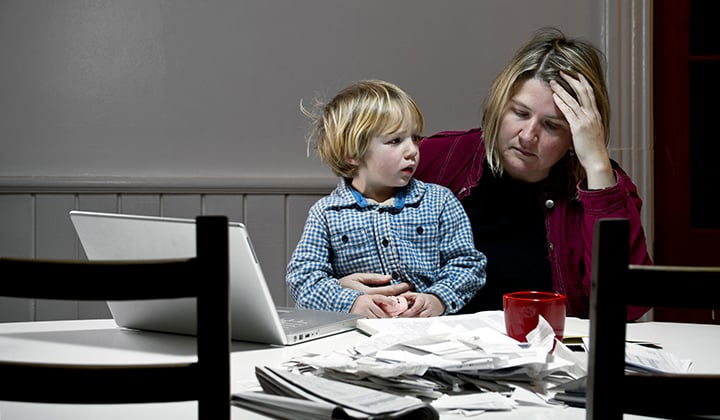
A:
(534, 134)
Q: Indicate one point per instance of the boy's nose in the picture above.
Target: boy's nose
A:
(412, 150)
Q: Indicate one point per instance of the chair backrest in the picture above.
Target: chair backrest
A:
(611, 391)
(205, 277)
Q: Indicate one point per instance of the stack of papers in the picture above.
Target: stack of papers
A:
(459, 363)
(444, 363)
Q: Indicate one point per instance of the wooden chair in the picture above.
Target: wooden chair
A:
(205, 277)
(611, 391)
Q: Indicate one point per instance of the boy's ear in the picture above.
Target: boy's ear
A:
(352, 161)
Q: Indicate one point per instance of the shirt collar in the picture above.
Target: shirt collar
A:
(399, 201)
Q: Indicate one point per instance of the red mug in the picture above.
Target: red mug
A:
(522, 309)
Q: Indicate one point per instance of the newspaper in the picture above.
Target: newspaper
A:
(305, 396)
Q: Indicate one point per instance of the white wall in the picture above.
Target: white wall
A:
(186, 88)
(179, 107)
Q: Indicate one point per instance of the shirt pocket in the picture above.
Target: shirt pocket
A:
(353, 251)
(418, 248)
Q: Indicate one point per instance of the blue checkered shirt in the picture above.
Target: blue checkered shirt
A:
(423, 238)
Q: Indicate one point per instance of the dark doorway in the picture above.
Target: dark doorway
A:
(686, 74)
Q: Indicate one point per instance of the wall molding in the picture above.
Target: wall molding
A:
(150, 185)
(624, 34)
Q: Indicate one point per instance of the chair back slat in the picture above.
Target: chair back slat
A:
(204, 277)
(611, 391)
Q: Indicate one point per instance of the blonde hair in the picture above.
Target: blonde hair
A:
(543, 58)
(342, 128)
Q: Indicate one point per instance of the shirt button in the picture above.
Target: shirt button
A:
(394, 275)
(344, 238)
(420, 230)
(385, 242)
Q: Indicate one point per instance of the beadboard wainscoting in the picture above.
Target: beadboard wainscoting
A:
(34, 222)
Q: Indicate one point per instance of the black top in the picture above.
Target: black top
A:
(508, 222)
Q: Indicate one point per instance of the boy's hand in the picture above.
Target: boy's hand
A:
(373, 306)
(423, 305)
(373, 283)
(398, 305)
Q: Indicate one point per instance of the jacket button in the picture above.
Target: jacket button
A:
(549, 204)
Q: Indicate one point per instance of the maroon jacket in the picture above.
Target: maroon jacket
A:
(455, 159)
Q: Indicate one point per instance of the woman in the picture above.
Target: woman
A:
(538, 175)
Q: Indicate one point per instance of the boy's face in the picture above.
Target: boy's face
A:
(390, 162)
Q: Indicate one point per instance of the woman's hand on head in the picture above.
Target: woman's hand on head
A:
(422, 305)
(374, 283)
(586, 128)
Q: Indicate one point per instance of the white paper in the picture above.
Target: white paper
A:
(653, 360)
(480, 401)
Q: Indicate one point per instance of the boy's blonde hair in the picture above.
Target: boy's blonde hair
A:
(342, 129)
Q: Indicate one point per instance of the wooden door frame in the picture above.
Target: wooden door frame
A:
(672, 122)
(676, 241)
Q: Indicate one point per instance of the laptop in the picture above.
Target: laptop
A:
(254, 316)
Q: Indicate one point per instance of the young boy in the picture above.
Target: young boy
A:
(381, 224)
